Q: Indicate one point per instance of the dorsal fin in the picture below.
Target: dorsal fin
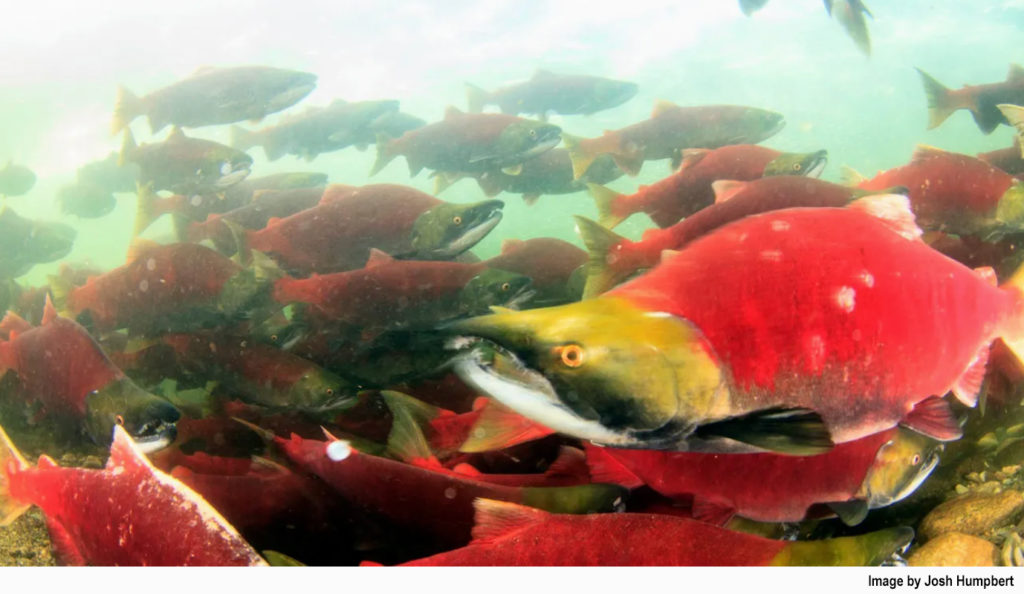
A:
(894, 210)
(661, 106)
(1016, 72)
(176, 135)
(378, 257)
(204, 70)
(138, 248)
(13, 323)
(848, 176)
(725, 189)
(49, 311)
(46, 462)
(541, 73)
(498, 519)
(509, 245)
(124, 453)
(452, 112)
(690, 157)
(925, 151)
(987, 274)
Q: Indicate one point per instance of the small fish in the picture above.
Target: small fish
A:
(25, 243)
(16, 180)
(547, 92)
(548, 173)
(214, 96)
(956, 193)
(317, 130)
(614, 258)
(867, 473)
(690, 188)
(186, 165)
(552, 264)
(391, 125)
(63, 369)
(850, 14)
(1008, 159)
(265, 205)
(980, 100)
(188, 208)
(106, 174)
(671, 129)
(469, 143)
(389, 294)
(86, 200)
(174, 287)
(764, 371)
(338, 233)
(508, 534)
(122, 514)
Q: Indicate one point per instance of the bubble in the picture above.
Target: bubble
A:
(144, 285)
(338, 450)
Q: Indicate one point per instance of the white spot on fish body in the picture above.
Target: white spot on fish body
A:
(450, 493)
(771, 255)
(780, 226)
(151, 264)
(846, 298)
(816, 351)
(338, 450)
(144, 285)
(196, 200)
(867, 278)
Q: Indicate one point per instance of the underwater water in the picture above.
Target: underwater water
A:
(869, 111)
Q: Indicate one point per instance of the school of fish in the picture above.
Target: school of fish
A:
(324, 374)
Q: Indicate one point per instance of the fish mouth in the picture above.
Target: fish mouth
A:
(778, 122)
(290, 97)
(523, 295)
(230, 179)
(499, 373)
(546, 141)
(926, 470)
(473, 234)
(816, 163)
(154, 436)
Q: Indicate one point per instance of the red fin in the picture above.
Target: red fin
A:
(531, 199)
(691, 157)
(12, 322)
(377, 257)
(511, 244)
(138, 248)
(605, 468)
(499, 427)
(452, 112)
(934, 418)
(711, 513)
(498, 519)
(893, 210)
(467, 469)
(725, 189)
(370, 564)
(46, 462)
(571, 462)
(64, 547)
(49, 311)
(124, 453)
(661, 106)
(428, 463)
(923, 152)
(1015, 73)
(968, 385)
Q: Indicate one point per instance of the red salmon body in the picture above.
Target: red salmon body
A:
(128, 513)
(832, 310)
(337, 234)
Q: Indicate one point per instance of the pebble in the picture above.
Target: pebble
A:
(976, 513)
(955, 550)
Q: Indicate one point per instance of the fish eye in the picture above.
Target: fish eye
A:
(199, 171)
(571, 355)
(225, 168)
(797, 167)
(457, 220)
(915, 460)
(273, 338)
(119, 420)
(533, 133)
(330, 391)
(505, 286)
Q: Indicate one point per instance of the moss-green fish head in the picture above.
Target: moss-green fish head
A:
(448, 229)
(319, 390)
(760, 124)
(522, 140)
(494, 287)
(601, 369)
(85, 200)
(16, 180)
(900, 467)
(222, 167)
(609, 93)
(49, 242)
(149, 419)
(806, 164)
(1009, 214)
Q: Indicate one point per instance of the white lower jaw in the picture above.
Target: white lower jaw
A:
(232, 178)
(153, 445)
(533, 403)
(471, 237)
(816, 170)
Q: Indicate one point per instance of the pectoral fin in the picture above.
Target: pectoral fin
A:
(851, 512)
(792, 431)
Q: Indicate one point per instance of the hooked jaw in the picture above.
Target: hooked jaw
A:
(450, 229)
(601, 369)
(148, 419)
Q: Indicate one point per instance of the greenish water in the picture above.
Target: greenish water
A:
(66, 60)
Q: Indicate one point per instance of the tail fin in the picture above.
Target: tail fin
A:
(243, 139)
(476, 98)
(606, 200)
(60, 289)
(11, 462)
(146, 211)
(243, 254)
(384, 153)
(127, 107)
(940, 103)
(1013, 336)
(581, 158)
(1015, 115)
(600, 242)
(128, 147)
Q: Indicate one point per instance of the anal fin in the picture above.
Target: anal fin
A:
(851, 512)
(968, 385)
(711, 513)
(934, 418)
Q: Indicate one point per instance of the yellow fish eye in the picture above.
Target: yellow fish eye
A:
(533, 133)
(916, 460)
(457, 220)
(330, 391)
(797, 167)
(571, 355)
(119, 420)
(505, 286)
